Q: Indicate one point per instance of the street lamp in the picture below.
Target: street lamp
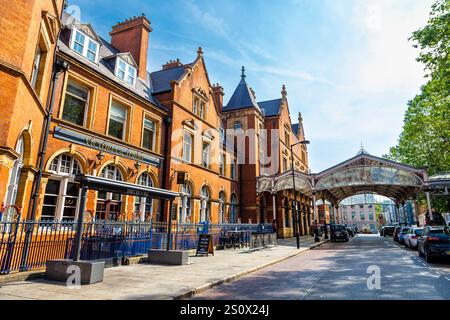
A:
(294, 202)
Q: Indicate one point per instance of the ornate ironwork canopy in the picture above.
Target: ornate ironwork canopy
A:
(360, 174)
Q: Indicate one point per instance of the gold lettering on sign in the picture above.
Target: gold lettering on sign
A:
(109, 148)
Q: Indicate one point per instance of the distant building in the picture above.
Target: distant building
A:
(361, 216)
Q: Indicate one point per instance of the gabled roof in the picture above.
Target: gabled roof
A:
(242, 97)
(125, 56)
(270, 108)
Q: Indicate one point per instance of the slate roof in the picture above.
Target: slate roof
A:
(242, 97)
(295, 128)
(105, 64)
(270, 108)
(161, 79)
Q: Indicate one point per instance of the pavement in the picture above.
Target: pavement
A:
(342, 271)
(155, 282)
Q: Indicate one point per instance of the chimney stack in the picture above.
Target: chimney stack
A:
(218, 95)
(172, 64)
(132, 35)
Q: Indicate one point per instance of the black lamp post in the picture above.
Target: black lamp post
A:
(294, 202)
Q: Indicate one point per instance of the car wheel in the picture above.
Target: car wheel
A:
(428, 258)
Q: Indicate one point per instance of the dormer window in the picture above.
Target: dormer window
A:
(126, 72)
(85, 46)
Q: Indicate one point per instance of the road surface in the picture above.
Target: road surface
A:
(344, 271)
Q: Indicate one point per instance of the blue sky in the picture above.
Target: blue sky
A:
(347, 64)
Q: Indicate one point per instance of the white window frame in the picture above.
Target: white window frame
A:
(153, 147)
(128, 67)
(142, 201)
(86, 103)
(125, 123)
(186, 202)
(64, 179)
(14, 179)
(85, 45)
(191, 149)
(36, 66)
(206, 154)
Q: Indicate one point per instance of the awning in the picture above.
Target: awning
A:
(107, 185)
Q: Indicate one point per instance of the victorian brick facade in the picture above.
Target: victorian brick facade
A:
(29, 30)
(112, 118)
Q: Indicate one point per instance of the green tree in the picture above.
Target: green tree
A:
(425, 140)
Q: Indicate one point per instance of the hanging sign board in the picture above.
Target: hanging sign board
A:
(181, 178)
(205, 245)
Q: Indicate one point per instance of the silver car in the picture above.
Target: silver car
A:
(411, 237)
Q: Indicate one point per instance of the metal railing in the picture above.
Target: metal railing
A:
(27, 245)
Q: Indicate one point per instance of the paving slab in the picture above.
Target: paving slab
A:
(156, 282)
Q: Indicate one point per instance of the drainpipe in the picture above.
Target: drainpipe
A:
(58, 67)
(166, 167)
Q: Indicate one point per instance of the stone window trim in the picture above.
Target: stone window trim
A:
(43, 48)
(63, 169)
(157, 139)
(92, 99)
(128, 118)
(200, 103)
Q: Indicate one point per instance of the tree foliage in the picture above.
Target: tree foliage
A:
(425, 140)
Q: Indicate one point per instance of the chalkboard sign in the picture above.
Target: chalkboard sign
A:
(205, 245)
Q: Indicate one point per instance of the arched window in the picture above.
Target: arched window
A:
(109, 204)
(186, 203)
(14, 180)
(142, 205)
(221, 207)
(61, 198)
(205, 204)
(233, 215)
(237, 125)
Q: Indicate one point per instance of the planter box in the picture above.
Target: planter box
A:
(90, 271)
(176, 258)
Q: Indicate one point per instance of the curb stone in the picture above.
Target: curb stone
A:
(208, 286)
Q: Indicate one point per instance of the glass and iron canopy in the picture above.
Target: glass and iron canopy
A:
(363, 173)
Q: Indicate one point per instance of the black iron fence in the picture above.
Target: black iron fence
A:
(27, 245)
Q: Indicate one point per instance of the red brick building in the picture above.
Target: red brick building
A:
(29, 30)
(114, 119)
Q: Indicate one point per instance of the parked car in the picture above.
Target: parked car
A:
(338, 232)
(412, 236)
(434, 242)
(396, 233)
(350, 232)
(387, 231)
(402, 233)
